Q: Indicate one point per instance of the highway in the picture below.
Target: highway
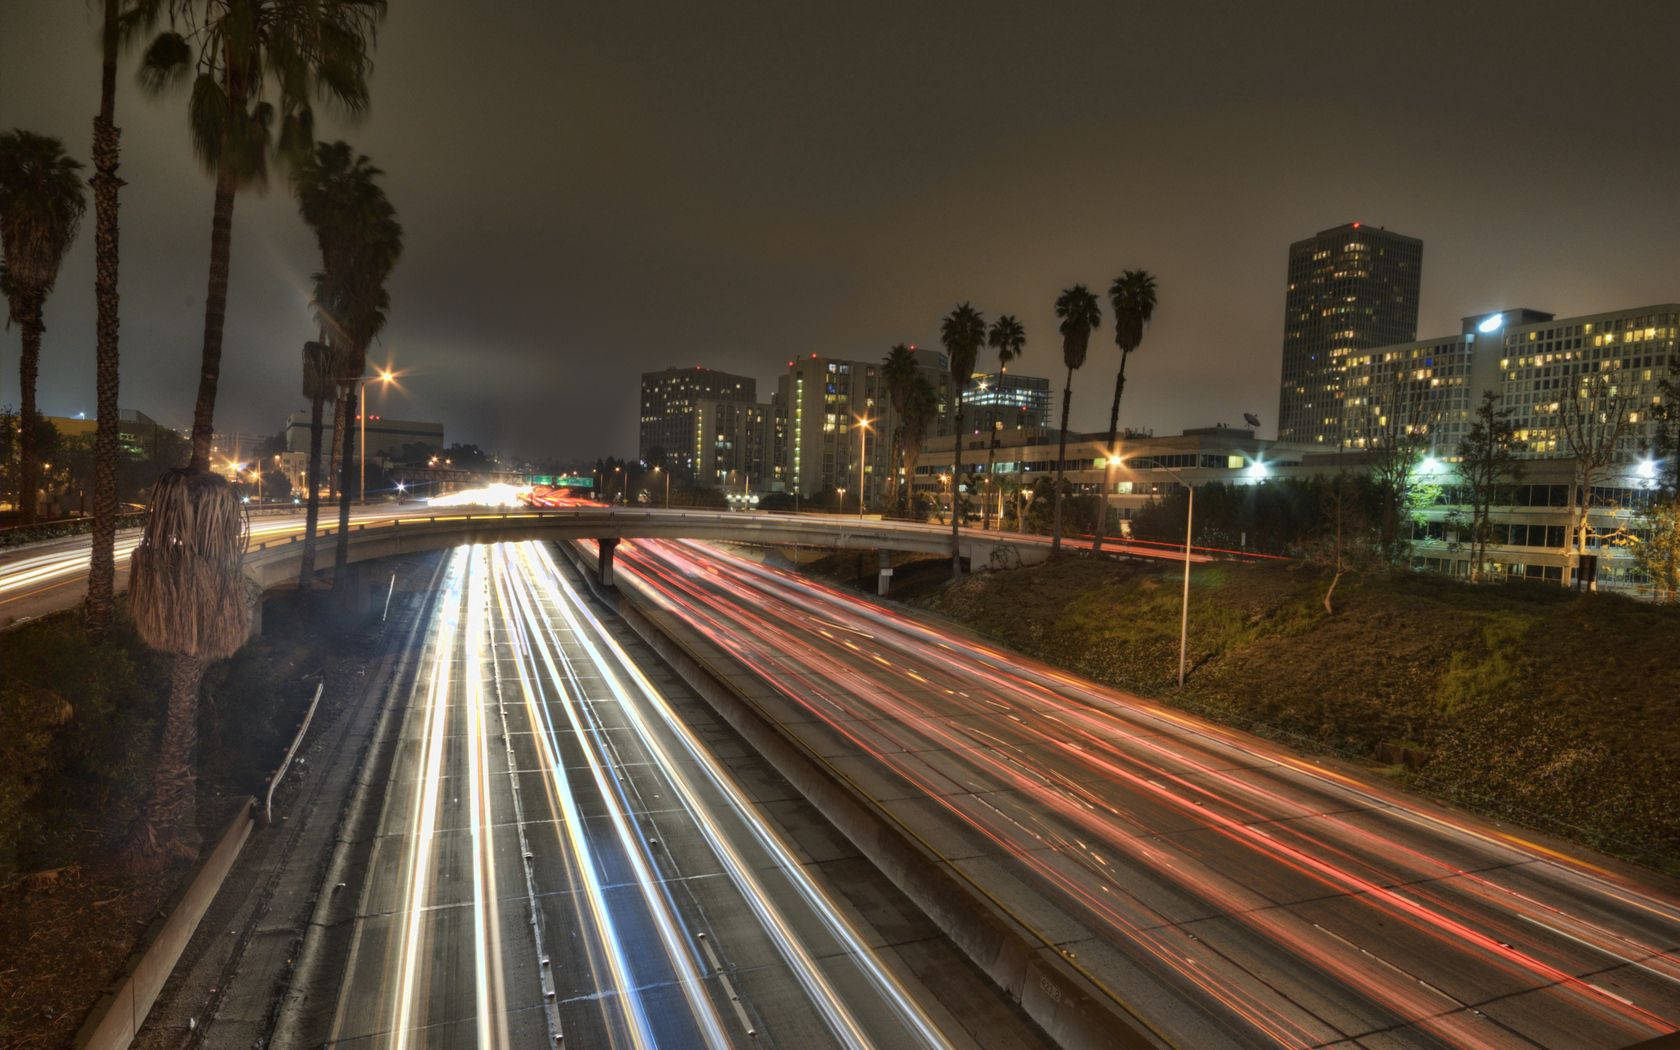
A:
(1229, 891)
(38, 578)
(567, 856)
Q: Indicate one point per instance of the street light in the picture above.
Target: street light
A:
(387, 377)
(658, 470)
(1184, 600)
(863, 431)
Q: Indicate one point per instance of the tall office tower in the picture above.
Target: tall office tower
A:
(670, 400)
(821, 399)
(731, 439)
(1351, 288)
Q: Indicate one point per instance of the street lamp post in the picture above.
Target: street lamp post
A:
(1184, 599)
(863, 431)
(385, 376)
(662, 470)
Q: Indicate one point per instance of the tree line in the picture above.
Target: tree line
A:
(253, 73)
(915, 400)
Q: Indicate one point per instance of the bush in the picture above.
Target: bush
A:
(79, 718)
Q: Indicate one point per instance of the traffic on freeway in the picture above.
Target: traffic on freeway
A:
(563, 859)
(1227, 891)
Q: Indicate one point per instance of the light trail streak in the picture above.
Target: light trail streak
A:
(678, 950)
(424, 823)
(834, 1009)
(754, 613)
(606, 947)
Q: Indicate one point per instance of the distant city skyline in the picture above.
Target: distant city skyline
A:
(632, 192)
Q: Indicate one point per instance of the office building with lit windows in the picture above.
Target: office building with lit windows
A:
(732, 442)
(1005, 401)
(822, 399)
(1426, 389)
(670, 401)
(1351, 288)
(1533, 362)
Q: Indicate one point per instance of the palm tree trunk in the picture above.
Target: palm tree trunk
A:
(956, 494)
(1113, 435)
(991, 485)
(29, 428)
(215, 314)
(169, 823)
(335, 464)
(306, 568)
(1061, 458)
(107, 138)
(341, 548)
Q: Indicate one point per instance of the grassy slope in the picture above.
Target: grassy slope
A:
(1526, 701)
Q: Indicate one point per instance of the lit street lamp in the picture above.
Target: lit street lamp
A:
(863, 431)
(1184, 600)
(385, 376)
(659, 470)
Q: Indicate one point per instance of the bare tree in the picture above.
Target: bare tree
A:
(1592, 417)
(1487, 461)
(1398, 447)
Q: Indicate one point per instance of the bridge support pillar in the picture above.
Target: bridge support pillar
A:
(883, 582)
(604, 563)
(256, 616)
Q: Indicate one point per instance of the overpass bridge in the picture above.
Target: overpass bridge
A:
(274, 562)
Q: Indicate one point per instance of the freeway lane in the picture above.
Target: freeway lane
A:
(43, 577)
(1230, 891)
(563, 854)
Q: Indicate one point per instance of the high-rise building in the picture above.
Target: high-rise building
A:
(670, 399)
(1426, 389)
(732, 441)
(1350, 288)
(1533, 362)
(823, 397)
(1005, 401)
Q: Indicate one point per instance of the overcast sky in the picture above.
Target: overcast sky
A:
(594, 190)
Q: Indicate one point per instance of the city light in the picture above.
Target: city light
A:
(1492, 323)
(1430, 465)
(1257, 470)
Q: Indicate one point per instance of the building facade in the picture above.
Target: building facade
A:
(732, 444)
(1005, 401)
(824, 399)
(670, 402)
(1350, 288)
(385, 437)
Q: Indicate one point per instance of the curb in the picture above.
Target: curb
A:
(1055, 995)
(119, 1013)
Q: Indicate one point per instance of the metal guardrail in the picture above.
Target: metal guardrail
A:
(280, 774)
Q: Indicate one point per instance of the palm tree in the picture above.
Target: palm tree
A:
(962, 332)
(898, 374)
(921, 406)
(107, 137)
(236, 51)
(1008, 338)
(41, 205)
(186, 587)
(321, 370)
(1080, 315)
(360, 240)
(1133, 297)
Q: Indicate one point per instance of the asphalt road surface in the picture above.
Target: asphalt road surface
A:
(563, 858)
(39, 578)
(1230, 891)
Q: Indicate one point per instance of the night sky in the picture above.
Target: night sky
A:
(592, 190)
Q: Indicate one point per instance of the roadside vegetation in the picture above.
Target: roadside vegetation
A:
(1523, 701)
(81, 718)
